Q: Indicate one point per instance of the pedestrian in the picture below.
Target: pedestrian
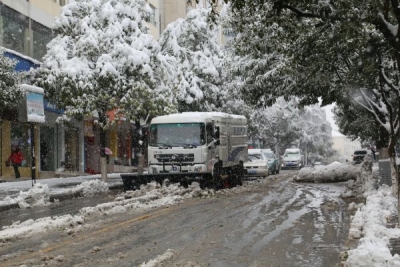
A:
(15, 160)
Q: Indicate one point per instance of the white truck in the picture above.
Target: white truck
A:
(207, 147)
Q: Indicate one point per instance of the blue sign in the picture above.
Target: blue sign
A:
(34, 107)
(23, 64)
(52, 107)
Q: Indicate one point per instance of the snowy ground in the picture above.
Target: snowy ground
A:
(368, 225)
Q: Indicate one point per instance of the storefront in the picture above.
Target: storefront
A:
(118, 143)
(58, 148)
(17, 134)
(61, 146)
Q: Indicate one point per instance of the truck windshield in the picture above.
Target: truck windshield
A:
(177, 134)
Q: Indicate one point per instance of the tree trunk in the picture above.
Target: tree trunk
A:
(103, 134)
(394, 172)
(141, 147)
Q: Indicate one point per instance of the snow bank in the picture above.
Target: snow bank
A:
(160, 260)
(38, 195)
(369, 226)
(334, 172)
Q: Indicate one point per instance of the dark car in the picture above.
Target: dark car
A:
(360, 154)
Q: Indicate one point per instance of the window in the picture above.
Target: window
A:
(210, 133)
(47, 144)
(14, 30)
(152, 18)
(71, 143)
(62, 2)
(124, 148)
(41, 37)
(177, 134)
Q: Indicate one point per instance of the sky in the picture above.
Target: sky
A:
(368, 225)
(331, 119)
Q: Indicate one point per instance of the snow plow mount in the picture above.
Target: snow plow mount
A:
(132, 181)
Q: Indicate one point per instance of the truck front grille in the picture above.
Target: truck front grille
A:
(175, 157)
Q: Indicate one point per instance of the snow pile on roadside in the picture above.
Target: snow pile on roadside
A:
(90, 188)
(160, 260)
(149, 196)
(30, 227)
(38, 195)
(334, 172)
(369, 224)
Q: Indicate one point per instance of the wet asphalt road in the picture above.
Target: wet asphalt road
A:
(273, 222)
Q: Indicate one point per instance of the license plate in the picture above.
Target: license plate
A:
(251, 171)
(290, 163)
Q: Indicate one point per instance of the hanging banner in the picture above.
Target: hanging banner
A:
(34, 103)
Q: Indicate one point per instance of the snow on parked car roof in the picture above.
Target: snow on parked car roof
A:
(253, 151)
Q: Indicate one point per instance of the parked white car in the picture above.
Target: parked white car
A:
(257, 163)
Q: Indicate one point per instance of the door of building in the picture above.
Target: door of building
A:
(71, 149)
(47, 148)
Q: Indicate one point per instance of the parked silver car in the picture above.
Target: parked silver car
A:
(293, 158)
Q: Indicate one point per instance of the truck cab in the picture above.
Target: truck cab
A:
(207, 145)
(181, 144)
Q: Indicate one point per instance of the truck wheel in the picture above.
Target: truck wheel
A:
(216, 179)
(240, 174)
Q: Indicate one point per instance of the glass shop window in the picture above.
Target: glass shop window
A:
(21, 137)
(14, 30)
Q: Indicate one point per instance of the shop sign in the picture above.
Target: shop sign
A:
(34, 103)
(52, 107)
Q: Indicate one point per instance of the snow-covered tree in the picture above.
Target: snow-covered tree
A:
(351, 121)
(315, 135)
(277, 125)
(337, 51)
(194, 44)
(103, 59)
(10, 91)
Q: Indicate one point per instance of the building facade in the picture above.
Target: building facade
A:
(346, 147)
(25, 30)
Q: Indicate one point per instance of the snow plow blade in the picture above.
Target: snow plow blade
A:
(132, 181)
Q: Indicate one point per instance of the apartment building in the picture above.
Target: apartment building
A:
(345, 146)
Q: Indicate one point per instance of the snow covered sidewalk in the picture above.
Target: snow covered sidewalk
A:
(369, 225)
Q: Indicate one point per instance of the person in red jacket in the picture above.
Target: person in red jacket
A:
(15, 160)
